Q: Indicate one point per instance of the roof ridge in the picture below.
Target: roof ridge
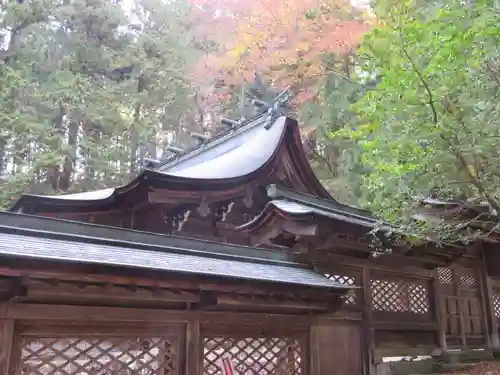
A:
(222, 134)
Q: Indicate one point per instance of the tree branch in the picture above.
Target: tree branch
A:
(458, 155)
(430, 101)
(15, 36)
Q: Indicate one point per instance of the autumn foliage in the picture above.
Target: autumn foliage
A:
(282, 40)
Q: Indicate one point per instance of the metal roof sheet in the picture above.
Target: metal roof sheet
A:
(43, 248)
(241, 152)
(295, 208)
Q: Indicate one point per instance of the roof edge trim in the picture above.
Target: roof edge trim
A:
(74, 231)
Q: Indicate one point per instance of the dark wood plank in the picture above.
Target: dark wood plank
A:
(7, 360)
(103, 314)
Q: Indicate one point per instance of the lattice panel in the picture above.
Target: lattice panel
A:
(468, 279)
(399, 296)
(98, 356)
(253, 356)
(496, 303)
(445, 275)
(345, 280)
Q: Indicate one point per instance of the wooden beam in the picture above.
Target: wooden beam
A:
(405, 326)
(438, 309)
(12, 288)
(380, 353)
(81, 274)
(194, 348)
(7, 350)
(272, 303)
(488, 308)
(38, 312)
(390, 267)
(266, 234)
(367, 333)
(300, 228)
(175, 196)
(37, 288)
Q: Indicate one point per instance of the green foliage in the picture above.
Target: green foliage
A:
(84, 98)
(335, 159)
(431, 126)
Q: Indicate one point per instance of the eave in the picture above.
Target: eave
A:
(244, 155)
(64, 243)
(315, 228)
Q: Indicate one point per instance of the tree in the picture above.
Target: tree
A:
(334, 159)
(430, 128)
(85, 96)
(283, 41)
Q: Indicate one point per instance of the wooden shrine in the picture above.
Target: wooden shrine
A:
(231, 249)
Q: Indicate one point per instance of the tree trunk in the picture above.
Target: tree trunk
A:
(134, 141)
(65, 180)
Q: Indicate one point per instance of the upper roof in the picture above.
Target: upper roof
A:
(230, 158)
(44, 239)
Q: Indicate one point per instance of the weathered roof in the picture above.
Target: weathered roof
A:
(239, 153)
(300, 209)
(185, 256)
(231, 157)
(296, 203)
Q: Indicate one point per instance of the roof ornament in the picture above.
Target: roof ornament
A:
(175, 150)
(200, 138)
(151, 163)
(278, 108)
(227, 122)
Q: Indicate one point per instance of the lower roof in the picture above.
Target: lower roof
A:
(69, 247)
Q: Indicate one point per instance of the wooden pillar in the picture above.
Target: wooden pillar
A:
(438, 311)
(194, 348)
(368, 346)
(7, 349)
(313, 352)
(489, 319)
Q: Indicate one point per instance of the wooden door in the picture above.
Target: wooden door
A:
(461, 307)
(337, 349)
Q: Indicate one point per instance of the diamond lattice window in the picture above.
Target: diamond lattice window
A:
(445, 275)
(399, 296)
(496, 303)
(468, 279)
(98, 356)
(253, 356)
(345, 280)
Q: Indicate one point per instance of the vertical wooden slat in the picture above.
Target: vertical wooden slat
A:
(314, 350)
(7, 350)
(305, 354)
(439, 311)
(490, 320)
(460, 310)
(483, 306)
(194, 348)
(368, 346)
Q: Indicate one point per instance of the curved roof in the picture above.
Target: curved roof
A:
(231, 157)
(241, 155)
(291, 209)
(51, 240)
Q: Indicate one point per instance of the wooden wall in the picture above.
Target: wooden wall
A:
(412, 312)
(55, 340)
(392, 313)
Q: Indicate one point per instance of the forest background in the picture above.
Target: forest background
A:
(398, 100)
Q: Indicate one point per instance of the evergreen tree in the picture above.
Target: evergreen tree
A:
(85, 96)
